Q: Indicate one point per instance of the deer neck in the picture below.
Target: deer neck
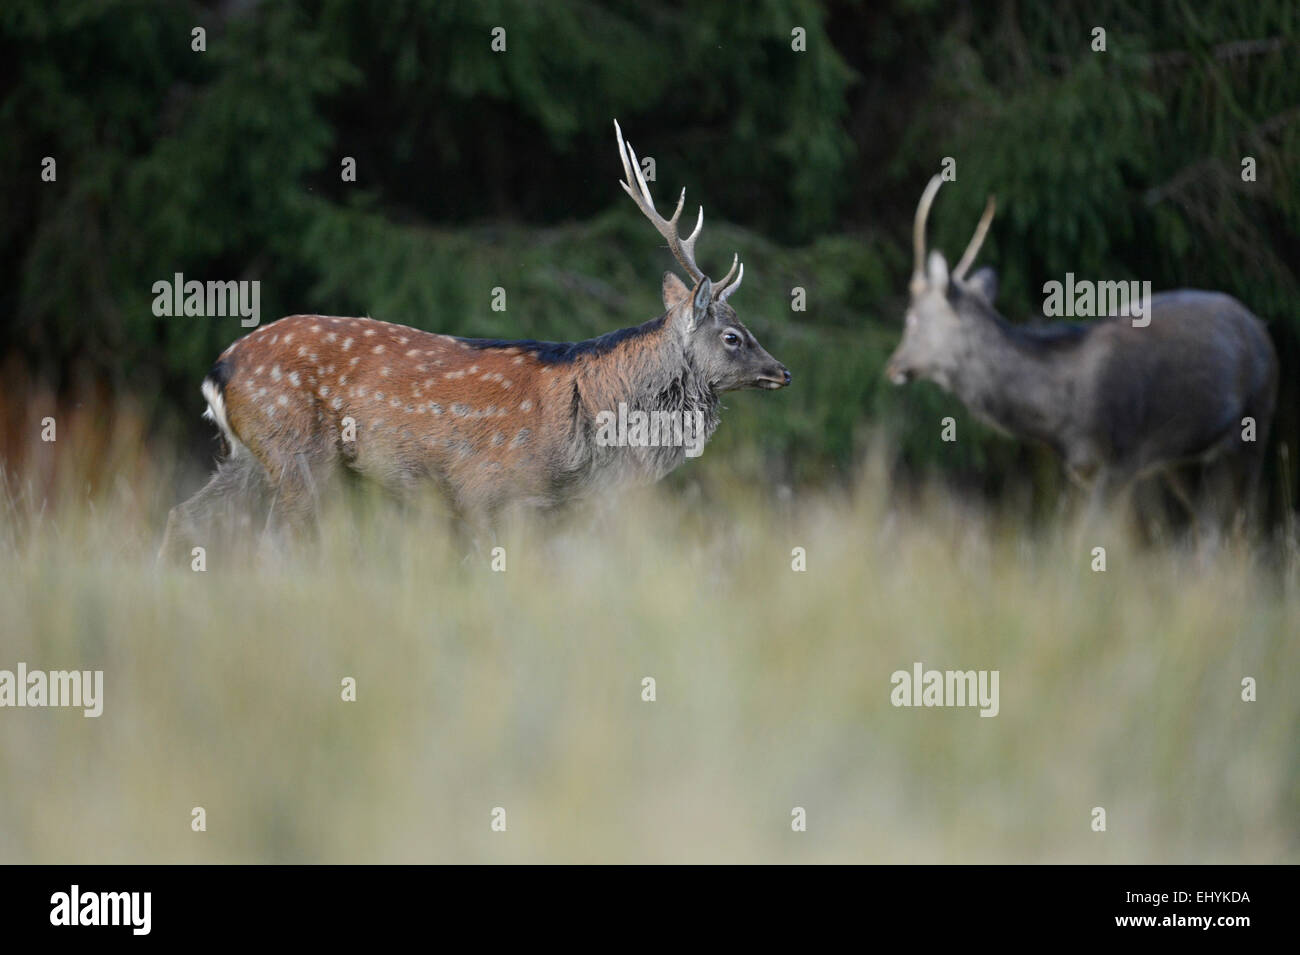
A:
(647, 374)
(1012, 381)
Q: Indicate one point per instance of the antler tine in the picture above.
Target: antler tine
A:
(726, 292)
(918, 229)
(722, 282)
(977, 240)
(682, 249)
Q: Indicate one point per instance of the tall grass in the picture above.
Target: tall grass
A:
(522, 689)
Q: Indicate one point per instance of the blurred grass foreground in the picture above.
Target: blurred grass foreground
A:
(523, 689)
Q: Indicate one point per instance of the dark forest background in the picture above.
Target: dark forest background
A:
(478, 169)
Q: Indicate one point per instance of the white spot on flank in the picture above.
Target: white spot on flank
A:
(293, 378)
(525, 405)
(383, 372)
(283, 400)
(347, 343)
(275, 372)
(369, 332)
(378, 349)
(336, 404)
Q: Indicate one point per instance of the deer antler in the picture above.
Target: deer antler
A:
(977, 240)
(682, 249)
(725, 290)
(918, 232)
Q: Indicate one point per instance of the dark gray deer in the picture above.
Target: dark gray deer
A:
(1115, 401)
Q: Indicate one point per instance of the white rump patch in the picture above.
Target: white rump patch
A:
(216, 413)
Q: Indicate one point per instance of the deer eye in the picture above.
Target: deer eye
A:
(730, 339)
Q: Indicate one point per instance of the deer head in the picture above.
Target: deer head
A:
(945, 310)
(716, 343)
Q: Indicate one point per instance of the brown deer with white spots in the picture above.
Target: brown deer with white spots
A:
(492, 424)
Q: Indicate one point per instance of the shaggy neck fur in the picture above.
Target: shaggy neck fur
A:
(651, 372)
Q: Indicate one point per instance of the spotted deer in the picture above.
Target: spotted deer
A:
(1115, 401)
(490, 423)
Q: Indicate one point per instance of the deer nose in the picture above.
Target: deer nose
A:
(786, 372)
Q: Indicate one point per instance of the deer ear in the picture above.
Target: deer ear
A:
(700, 302)
(984, 283)
(675, 291)
(938, 272)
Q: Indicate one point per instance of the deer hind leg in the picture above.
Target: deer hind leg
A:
(215, 517)
(1250, 463)
(299, 481)
(1231, 489)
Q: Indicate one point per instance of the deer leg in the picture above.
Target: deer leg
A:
(220, 509)
(478, 532)
(1231, 489)
(1175, 482)
(1111, 491)
(1250, 467)
(295, 508)
(1105, 489)
(1178, 487)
